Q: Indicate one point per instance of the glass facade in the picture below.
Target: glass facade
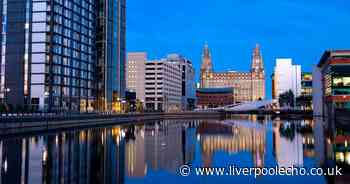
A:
(73, 57)
(111, 53)
(335, 70)
(60, 53)
(337, 80)
(306, 84)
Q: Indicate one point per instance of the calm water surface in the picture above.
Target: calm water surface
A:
(153, 152)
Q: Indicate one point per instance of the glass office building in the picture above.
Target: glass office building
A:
(334, 83)
(111, 54)
(49, 56)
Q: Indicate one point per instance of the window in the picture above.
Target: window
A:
(38, 58)
(38, 47)
(39, 27)
(38, 68)
(38, 37)
(341, 81)
(39, 17)
(39, 6)
(38, 78)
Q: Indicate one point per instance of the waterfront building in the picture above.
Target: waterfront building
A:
(130, 102)
(111, 53)
(249, 86)
(188, 85)
(49, 53)
(304, 101)
(286, 77)
(163, 84)
(135, 74)
(331, 83)
(214, 97)
(306, 84)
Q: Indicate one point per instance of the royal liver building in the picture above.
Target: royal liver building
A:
(248, 86)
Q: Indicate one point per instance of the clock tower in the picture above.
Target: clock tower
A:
(206, 67)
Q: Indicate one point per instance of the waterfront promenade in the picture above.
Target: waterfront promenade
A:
(16, 124)
(28, 123)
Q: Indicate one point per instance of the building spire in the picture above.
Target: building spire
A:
(206, 51)
(257, 61)
(206, 59)
(257, 50)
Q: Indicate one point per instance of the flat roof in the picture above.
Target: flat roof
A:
(333, 53)
(215, 90)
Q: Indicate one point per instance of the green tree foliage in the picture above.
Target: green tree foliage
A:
(286, 98)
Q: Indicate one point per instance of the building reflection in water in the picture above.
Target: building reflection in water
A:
(337, 148)
(135, 152)
(91, 156)
(116, 154)
(294, 140)
(231, 138)
(288, 147)
(101, 155)
(169, 145)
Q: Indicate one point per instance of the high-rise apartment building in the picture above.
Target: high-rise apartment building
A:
(286, 77)
(248, 86)
(48, 53)
(111, 54)
(163, 86)
(136, 73)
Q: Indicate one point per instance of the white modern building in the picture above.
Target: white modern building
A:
(286, 77)
(188, 85)
(163, 86)
(135, 74)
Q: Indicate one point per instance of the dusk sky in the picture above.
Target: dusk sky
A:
(300, 29)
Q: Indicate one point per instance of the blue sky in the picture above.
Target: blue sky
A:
(300, 29)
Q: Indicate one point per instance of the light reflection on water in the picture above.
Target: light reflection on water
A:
(153, 152)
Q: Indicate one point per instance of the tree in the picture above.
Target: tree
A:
(286, 98)
(139, 106)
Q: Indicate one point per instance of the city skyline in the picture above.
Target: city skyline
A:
(279, 29)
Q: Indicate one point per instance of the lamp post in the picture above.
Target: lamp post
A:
(123, 109)
(7, 90)
(46, 105)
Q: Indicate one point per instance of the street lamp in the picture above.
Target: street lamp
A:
(123, 108)
(46, 105)
(7, 90)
